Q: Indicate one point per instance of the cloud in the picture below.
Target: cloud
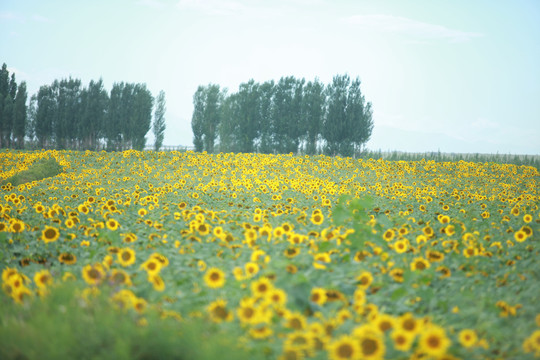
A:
(414, 29)
(41, 18)
(8, 15)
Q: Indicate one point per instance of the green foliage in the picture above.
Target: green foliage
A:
(40, 169)
(283, 117)
(63, 325)
(159, 121)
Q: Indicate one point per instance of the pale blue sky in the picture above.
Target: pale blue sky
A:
(459, 76)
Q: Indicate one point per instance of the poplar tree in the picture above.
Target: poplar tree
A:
(19, 116)
(159, 121)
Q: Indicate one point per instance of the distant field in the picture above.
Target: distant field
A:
(287, 257)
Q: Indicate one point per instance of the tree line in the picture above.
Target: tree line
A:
(290, 115)
(68, 115)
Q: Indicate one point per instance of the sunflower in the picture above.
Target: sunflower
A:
(371, 346)
(17, 226)
(277, 297)
(345, 347)
(251, 268)
(43, 278)
(402, 340)
(93, 275)
(291, 252)
(119, 277)
(408, 323)
(112, 224)
(67, 258)
(468, 338)
(520, 236)
(295, 320)
(157, 282)
(384, 322)
(218, 311)
(140, 305)
(126, 257)
(401, 246)
(248, 313)
(420, 264)
(50, 234)
(317, 218)
(433, 341)
(261, 287)
(318, 296)
(364, 280)
(260, 332)
(250, 236)
(142, 212)
(152, 266)
(302, 340)
(214, 278)
(161, 258)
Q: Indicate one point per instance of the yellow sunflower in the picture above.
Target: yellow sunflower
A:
(344, 347)
(126, 257)
(50, 234)
(93, 275)
(433, 341)
(218, 311)
(214, 278)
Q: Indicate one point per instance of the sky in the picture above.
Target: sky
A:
(457, 76)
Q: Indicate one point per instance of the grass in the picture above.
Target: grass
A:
(40, 169)
(66, 326)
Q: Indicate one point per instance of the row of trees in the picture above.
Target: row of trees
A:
(12, 110)
(67, 115)
(283, 117)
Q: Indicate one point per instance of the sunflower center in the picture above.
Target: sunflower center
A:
(345, 351)
(93, 274)
(420, 265)
(126, 256)
(50, 233)
(220, 312)
(214, 276)
(385, 325)
(434, 341)
(409, 325)
(369, 346)
(248, 312)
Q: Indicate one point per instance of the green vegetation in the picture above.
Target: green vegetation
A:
(40, 169)
(527, 160)
(289, 116)
(67, 326)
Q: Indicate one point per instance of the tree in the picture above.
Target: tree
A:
(19, 116)
(211, 116)
(94, 107)
(31, 115)
(46, 109)
(142, 115)
(359, 116)
(7, 115)
(113, 125)
(314, 112)
(335, 131)
(266, 104)
(228, 128)
(159, 121)
(68, 117)
(197, 119)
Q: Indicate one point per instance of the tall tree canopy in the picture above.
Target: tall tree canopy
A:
(287, 116)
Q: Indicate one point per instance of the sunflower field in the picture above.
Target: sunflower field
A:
(290, 257)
